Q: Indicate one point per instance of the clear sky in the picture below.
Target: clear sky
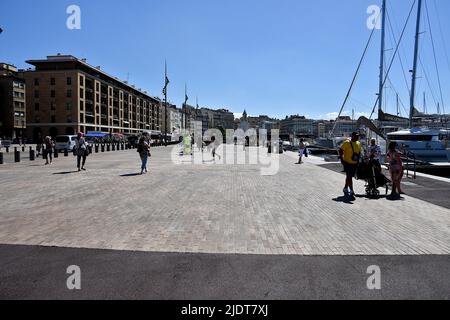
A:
(266, 56)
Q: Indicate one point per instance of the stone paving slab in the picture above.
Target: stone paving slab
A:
(208, 209)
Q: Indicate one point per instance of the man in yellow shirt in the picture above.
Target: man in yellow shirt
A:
(350, 154)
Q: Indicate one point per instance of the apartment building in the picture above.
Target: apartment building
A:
(12, 103)
(66, 95)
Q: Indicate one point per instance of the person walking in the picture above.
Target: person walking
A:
(144, 151)
(214, 145)
(301, 151)
(394, 158)
(350, 153)
(81, 151)
(48, 150)
(39, 146)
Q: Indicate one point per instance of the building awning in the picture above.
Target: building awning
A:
(95, 134)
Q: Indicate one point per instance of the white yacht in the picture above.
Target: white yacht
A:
(426, 144)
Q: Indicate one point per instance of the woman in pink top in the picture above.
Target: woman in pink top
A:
(394, 158)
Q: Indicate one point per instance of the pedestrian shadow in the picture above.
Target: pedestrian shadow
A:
(130, 175)
(65, 172)
(345, 199)
(395, 198)
(365, 196)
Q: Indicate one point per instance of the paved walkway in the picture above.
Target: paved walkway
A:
(208, 209)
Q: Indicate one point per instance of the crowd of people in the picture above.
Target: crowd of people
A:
(351, 152)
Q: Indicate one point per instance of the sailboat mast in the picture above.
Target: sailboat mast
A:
(414, 70)
(383, 34)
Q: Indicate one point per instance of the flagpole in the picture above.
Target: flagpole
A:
(185, 106)
(165, 106)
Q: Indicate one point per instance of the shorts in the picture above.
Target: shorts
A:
(350, 169)
(301, 152)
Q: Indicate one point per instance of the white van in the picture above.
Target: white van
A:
(65, 142)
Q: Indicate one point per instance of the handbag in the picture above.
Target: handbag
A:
(355, 156)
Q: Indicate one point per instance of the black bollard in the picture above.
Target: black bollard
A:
(96, 148)
(90, 149)
(7, 149)
(56, 154)
(16, 155)
(103, 148)
(32, 157)
(108, 147)
(1, 157)
(66, 152)
(118, 146)
(113, 147)
(123, 146)
(126, 146)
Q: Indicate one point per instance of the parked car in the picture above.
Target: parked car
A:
(65, 142)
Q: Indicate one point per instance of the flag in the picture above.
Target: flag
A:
(166, 81)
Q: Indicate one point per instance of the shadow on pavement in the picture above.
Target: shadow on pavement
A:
(344, 199)
(65, 172)
(130, 175)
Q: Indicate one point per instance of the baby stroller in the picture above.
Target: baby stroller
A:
(370, 171)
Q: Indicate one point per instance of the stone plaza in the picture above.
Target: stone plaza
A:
(208, 208)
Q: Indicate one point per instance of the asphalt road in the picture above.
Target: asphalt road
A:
(32, 272)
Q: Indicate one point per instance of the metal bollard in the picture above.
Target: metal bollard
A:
(1, 157)
(90, 149)
(118, 146)
(56, 153)
(16, 155)
(32, 157)
(113, 147)
(123, 146)
(103, 148)
(7, 149)
(96, 148)
(66, 152)
(108, 147)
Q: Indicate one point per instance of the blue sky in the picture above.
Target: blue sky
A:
(268, 57)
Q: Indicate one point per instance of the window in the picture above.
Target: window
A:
(36, 93)
(81, 105)
(36, 81)
(81, 93)
(53, 119)
(82, 81)
(52, 93)
(69, 81)
(52, 81)
(69, 93)
(36, 107)
(69, 106)
(53, 106)
(97, 86)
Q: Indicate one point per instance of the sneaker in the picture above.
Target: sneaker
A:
(352, 193)
(345, 190)
(83, 169)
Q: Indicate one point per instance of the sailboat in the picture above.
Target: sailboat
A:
(421, 143)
